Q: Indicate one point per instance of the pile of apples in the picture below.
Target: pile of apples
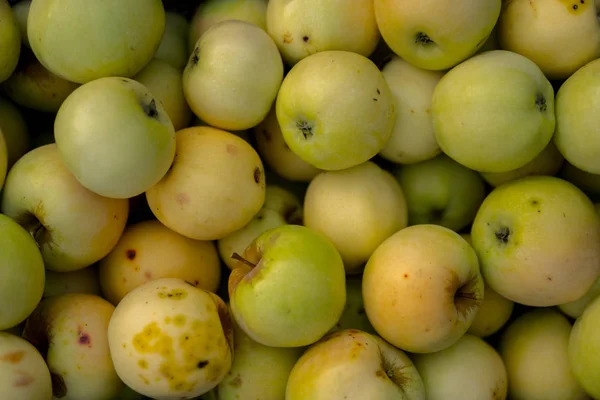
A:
(299, 199)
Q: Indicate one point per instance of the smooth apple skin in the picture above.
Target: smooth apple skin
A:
(86, 40)
(10, 41)
(14, 129)
(584, 349)
(80, 281)
(494, 312)
(173, 46)
(574, 309)
(21, 13)
(537, 241)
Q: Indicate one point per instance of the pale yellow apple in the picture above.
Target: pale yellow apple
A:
(559, 36)
(214, 187)
(21, 12)
(174, 46)
(14, 129)
(80, 281)
(574, 309)
(10, 41)
(303, 27)
(589, 183)
(357, 209)
(493, 314)
(435, 34)
(233, 75)
(413, 139)
(584, 348)
(147, 251)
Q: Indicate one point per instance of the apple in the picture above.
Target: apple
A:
(82, 41)
(169, 339)
(289, 288)
(165, 82)
(441, 191)
(584, 347)
(15, 131)
(576, 132)
(215, 186)
(412, 139)
(303, 27)
(70, 332)
(233, 75)
(10, 41)
(357, 209)
(354, 365)
(23, 274)
(493, 112)
(23, 372)
(73, 226)
(448, 374)
(422, 288)
(354, 316)
(174, 46)
(122, 148)
(3, 160)
(587, 182)
(575, 308)
(537, 241)
(433, 34)
(492, 42)
(80, 281)
(147, 251)
(559, 36)
(21, 13)
(335, 109)
(534, 348)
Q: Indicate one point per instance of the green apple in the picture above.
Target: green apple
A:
(357, 209)
(211, 12)
(275, 152)
(413, 139)
(441, 191)
(433, 34)
(233, 75)
(23, 372)
(574, 309)
(494, 112)
(147, 251)
(22, 271)
(171, 340)
(335, 109)
(215, 186)
(422, 288)
(548, 162)
(534, 348)
(70, 332)
(173, 47)
(354, 316)
(122, 148)
(165, 82)
(589, 183)
(80, 281)
(21, 13)
(14, 129)
(73, 226)
(304, 27)
(449, 373)
(85, 40)
(537, 241)
(576, 133)
(354, 365)
(584, 349)
(289, 288)
(10, 41)
(551, 33)
(3, 160)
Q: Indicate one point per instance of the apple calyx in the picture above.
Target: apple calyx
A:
(305, 127)
(540, 102)
(35, 227)
(467, 297)
(150, 109)
(503, 234)
(195, 57)
(423, 39)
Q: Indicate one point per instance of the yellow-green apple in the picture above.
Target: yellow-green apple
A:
(275, 152)
(584, 349)
(85, 40)
(3, 160)
(211, 12)
(233, 75)
(171, 340)
(23, 372)
(21, 13)
(354, 316)
(215, 186)
(73, 226)
(441, 191)
(574, 309)
(335, 109)
(281, 207)
(70, 332)
(589, 183)
(165, 82)
(289, 288)
(122, 148)
(413, 139)
(576, 133)
(80, 281)
(548, 162)
(551, 33)
(433, 34)
(304, 27)
(10, 41)
(354, 365)
(147, 251)
(534, 348)
(537, 241)
(23, 274)
(14, 130)
(437, 273)
(357, 209)
(173, 47)
(448, 374)
(493, 112)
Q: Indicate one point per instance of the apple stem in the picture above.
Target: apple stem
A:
(241, 259)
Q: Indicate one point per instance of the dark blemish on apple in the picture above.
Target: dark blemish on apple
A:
(84, 338)
(305, 128)
(182, 198)
(190, 283)
(575, 6)
(13, 357)
(534, 202)
(23, 379)
(202, 364)
(502, 234)
(150, 109)
(305, 39)
(195, 57)
(130, 254)
(257, 175)
(374, 99)
(231, 149)
(423, 39)
(287, 38)
(549, 279)
(540, 102)
(148, 275)
(259, 217)
(236, 382)
(125, 80)
(405, 276)
(378, 92)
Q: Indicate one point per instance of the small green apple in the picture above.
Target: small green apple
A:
(584, 349)
(289, 288)
(80, 281)
(14, 129)
(589, 183)
(174, 46)
(335, 109)
(21, 14)
(354, 316)
(10, 41)
(494, 112)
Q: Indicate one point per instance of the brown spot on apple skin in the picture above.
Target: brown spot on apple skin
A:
(84, 338)
(231, 149)
(148, 275)
(23, 379)
(236, 382)
(381, 374)
(14, 357)
(130, 254)
(287, 38)
(257, 175)
(182, 198)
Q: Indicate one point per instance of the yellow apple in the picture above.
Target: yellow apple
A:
(173, 47)
(584, 347)
(10, 41)
(493, 314)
